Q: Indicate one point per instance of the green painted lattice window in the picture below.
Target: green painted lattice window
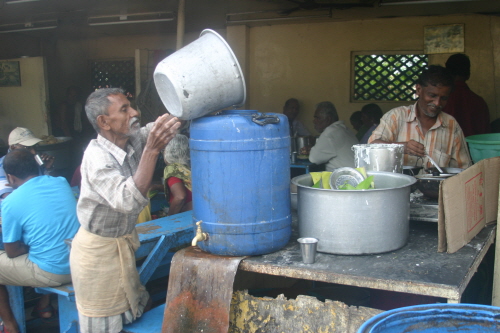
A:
(114, 74)
(386, 77)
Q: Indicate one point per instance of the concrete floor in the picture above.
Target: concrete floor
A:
(36, 325)
(39, 326)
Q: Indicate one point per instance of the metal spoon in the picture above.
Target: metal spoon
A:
(435, 164)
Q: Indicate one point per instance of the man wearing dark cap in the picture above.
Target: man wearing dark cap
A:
(22, 138)
(468, 108)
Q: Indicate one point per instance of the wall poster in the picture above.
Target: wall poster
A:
(444, 39)
(10, 74)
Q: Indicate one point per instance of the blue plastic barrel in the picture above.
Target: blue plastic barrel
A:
(240, 161)
(435, 318)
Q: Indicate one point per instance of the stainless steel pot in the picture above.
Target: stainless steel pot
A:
(356, 222)
(304, 141)
(379, 157)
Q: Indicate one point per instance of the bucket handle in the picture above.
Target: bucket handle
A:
(263, 119)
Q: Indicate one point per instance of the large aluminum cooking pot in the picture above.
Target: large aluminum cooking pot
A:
(354, 221)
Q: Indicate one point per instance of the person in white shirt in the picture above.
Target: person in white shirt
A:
(333, 146)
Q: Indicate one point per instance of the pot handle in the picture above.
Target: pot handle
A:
(263, 119)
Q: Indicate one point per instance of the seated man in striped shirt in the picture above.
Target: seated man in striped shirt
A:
(423, 128)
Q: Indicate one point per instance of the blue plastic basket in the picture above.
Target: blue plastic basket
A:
(482, 146)
(435, 318)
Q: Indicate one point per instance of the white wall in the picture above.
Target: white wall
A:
(312, 61)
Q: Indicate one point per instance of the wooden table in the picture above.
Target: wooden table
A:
(416, 268)
(302, 164)
(157, 237)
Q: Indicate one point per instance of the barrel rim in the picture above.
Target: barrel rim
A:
(367, 326)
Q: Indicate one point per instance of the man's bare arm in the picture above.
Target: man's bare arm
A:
(179, 193)
(164, 129)
(15, 249)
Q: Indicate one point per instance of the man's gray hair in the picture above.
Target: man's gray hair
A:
(327, 109)
(97, 104)
(177, 150)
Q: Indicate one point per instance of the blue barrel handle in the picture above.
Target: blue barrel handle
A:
(267, 119)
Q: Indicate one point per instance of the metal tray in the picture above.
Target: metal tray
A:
(422, 208)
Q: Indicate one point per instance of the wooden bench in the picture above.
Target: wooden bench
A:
(150, 322)
(157, 237)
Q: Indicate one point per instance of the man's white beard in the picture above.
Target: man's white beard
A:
(134, 126)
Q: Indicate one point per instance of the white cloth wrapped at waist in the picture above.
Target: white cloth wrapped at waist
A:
(104, 274)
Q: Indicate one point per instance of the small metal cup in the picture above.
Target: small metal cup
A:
(38, 160)
(293, 157)
(308, 248)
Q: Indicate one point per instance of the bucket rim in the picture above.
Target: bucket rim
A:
(378, 145)
(210, 31)
(480, 138)
(412, 180)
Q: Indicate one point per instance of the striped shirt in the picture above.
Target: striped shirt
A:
(444, 141)
(109, 200)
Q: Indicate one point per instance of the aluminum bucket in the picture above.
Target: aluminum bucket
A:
(202, 77)
(356, 221)
(379, 157)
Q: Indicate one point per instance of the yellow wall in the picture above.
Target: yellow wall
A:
(312, 62)
(495, 66)
(25, 106)
(309, 61)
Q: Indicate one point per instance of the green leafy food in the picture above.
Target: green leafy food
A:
(365, 184)
(363, 171)
(346, 186)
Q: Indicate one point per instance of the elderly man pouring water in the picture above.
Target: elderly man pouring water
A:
(423, 128)
(117, 169)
